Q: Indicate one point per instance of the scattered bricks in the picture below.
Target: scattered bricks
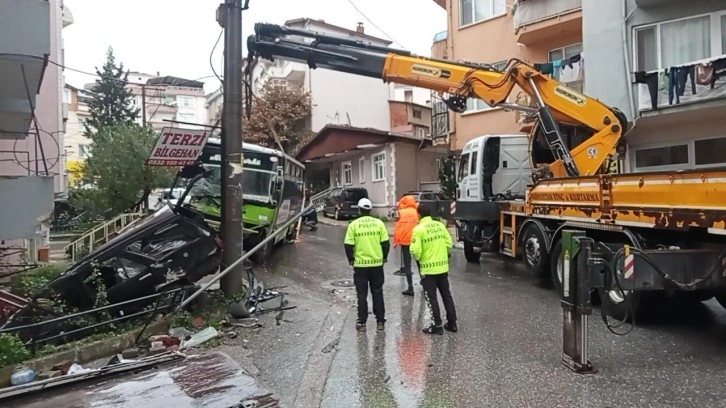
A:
(198, 322)
(63, 366)
(159, 337)
(130, 353)
(157, 344)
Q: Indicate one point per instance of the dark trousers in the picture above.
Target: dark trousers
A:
(431, 284)
(364, 278)
(406, 263)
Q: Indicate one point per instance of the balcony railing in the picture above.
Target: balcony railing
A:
(700, 82)
(533, 11)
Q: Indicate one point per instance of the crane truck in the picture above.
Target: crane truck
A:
(663, 233)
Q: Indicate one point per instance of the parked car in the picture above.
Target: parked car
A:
(342, 202)
(422, 198)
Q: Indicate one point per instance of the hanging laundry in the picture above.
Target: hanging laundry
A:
(545, 68)
(672, 85)
(682, 79)
(650, 79)
(719, 70)
(572, 69)
(704, 74)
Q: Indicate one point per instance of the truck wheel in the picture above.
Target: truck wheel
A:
(535, 251)
(469, 253)
(557, 267)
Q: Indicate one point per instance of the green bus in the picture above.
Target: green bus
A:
(272, 192)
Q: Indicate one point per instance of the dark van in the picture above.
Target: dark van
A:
(342, 202)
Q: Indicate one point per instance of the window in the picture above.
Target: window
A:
(408, 95)
(676, 42)
(361, 170)
(347, 173)
(463, 166)
(420, 132)
(66, 95)
(475, 104)
(472, 11)
(473, 166)
(709, 151)
(84, 151)
(186, 117)
(379, 166)
(185, 102)
(723, 34)
(565, 53)
(417, 113)
(661, 156)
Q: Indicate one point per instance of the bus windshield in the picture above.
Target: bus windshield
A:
(255, 184)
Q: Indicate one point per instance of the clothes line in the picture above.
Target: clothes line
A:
(566, 70)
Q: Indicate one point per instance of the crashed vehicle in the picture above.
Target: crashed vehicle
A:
(170, 249)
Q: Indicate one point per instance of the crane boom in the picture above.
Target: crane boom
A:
(555, 102)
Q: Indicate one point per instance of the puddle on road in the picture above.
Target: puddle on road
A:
(208, 379)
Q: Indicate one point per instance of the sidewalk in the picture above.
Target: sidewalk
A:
(390, 226)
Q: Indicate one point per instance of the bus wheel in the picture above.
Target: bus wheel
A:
(261, 255)
(469, 253)
(535, 251)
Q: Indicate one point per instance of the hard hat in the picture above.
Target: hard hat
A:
(365, 204)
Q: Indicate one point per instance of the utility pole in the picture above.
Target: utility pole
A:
(229, 16)
(143, 105)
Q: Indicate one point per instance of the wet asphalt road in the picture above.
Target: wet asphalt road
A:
(506, 354)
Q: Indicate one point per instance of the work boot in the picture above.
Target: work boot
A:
(380, 325)
(451, 326)
(399, 272)
(408, 292)
(433, 329)
(361, 327)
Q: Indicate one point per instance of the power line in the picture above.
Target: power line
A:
(374, 24)
(80, 71)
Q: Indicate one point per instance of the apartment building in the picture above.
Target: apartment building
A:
(494, 31)
(165, 98)
(635, 48)
(337, 97)
(77, 146)
(32, 163)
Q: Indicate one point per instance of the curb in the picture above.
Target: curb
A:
(84, 353)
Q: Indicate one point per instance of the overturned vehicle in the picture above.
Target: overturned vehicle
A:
(162, 253)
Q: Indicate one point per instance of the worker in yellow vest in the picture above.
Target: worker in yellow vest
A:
(430, 245)
(366, 247)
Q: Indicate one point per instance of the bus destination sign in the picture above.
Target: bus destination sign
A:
(177, 147)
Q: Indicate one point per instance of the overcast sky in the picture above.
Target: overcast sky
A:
(175, 37)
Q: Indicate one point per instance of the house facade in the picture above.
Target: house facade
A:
(536, 31)
(32, 161)
(168, 98)
(387, 164)
(633, 47)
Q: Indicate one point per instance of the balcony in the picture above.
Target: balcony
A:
(541, 21)
(34, 195)
(651, 3)
(25, 43)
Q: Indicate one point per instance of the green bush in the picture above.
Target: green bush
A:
(12, 350)
(28, 283)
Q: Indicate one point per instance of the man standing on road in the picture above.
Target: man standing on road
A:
(430, 245)
(366, 247)
(407, 220)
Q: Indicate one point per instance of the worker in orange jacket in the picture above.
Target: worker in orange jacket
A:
(407, 220)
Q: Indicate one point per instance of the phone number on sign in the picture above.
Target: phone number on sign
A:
(170, 162)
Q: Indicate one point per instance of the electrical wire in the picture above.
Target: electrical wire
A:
(211, 64)
(374, 24)
(96, 75)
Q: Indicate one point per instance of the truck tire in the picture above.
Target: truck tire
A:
(469, 253)
(535, 253)
(557, 267)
